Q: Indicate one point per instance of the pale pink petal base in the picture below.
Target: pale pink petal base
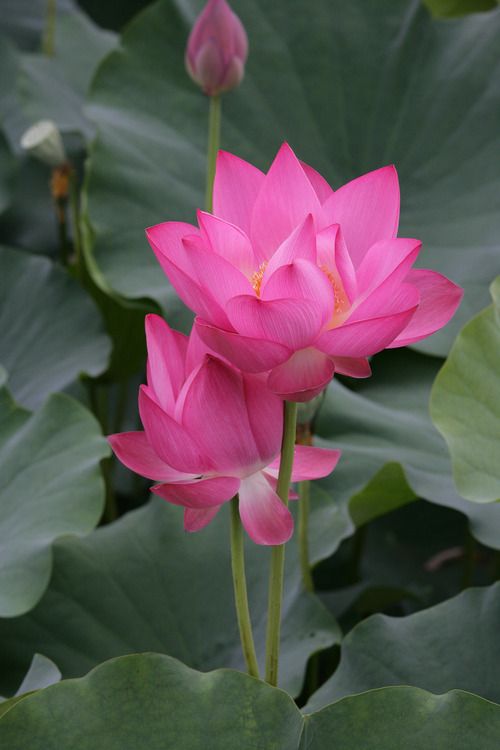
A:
(264, 516)
(204, 493)
(308, 463)
(303, 376)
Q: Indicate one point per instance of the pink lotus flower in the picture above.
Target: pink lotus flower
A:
(210, 432)
(291, 278)
(217, 49)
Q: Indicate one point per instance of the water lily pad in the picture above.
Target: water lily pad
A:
(153, 701)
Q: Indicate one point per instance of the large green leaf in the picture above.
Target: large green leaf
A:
(142, 584)
(42, 673)
(50, 486)
(465, 404)
(155, 702)
(452, 645)
(50, 331)
(404, 718)
(384, 420)
(6, 169)
(351, 86)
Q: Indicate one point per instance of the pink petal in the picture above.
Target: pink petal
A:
(135, 452)
(236, 186)
(229, 241)
(285, 199)
(292, 322)
(439, 299)
(366, 337)
(265, 518)
(367, 210)
(334, 258)
(272, 478)
(215, 411)
(166, 242)
(216, 276)
(301, 243)
(308, 463)
(166, 357)
(196, 518)
(392, 296)
(265, 416)
(387, 259)
(320, 185)
(199, 494)
(187, 287)
(352, 366)
(302, 280)
(196, 350)
(303, 376)
(169, 439)
(249, 354)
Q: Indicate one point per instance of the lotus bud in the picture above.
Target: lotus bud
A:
(217, 49)
(43, 141)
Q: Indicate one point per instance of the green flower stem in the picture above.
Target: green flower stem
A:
(74, 199)
(240, 590)
(305, 566)
(214, 119)
(62, 229)
(278, 552)
(49, 33)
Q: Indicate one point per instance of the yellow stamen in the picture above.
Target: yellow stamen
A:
(341, 300)
(257, 276)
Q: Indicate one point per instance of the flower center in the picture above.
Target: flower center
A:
(341, 304)
(257, 276)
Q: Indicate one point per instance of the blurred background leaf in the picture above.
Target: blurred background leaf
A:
(50, 486)
(50, 331)
(465, 404)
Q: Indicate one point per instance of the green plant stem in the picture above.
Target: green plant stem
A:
(278, 552)
(49, 33)
(214, 120)
(74, 199)
(240, 590)
(62, 228)
(305, 566)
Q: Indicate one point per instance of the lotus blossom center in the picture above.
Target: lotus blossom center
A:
(257, 276)
(341, 303)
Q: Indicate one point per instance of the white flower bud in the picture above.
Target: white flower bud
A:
(43, 141)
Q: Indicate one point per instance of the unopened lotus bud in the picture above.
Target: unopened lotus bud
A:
(43, 141)
(217, 49)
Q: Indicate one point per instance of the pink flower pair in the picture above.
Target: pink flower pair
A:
(298, 281)
(211, 431)
(291, 282)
